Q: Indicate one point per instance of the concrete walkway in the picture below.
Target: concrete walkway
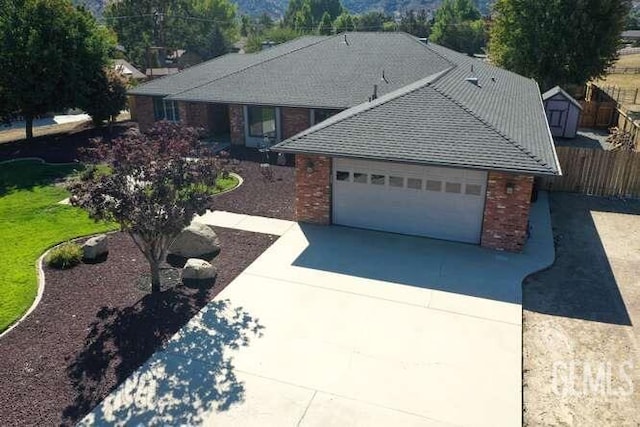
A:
(337, 327)
(256, 224)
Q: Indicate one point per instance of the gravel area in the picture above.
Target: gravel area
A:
(95, 326)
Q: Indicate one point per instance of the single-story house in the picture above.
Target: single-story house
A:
(563, 112)
(388, 133)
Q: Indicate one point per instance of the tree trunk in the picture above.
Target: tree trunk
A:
(155, 277)
(28, 118)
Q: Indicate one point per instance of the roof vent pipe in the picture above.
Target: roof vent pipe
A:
(384, 78)
(375, 93)
(346, 41)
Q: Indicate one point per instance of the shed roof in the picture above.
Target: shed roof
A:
(559, 91)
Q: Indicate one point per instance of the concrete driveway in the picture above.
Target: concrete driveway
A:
(335, 326)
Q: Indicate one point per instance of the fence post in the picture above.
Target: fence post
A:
(635, 98)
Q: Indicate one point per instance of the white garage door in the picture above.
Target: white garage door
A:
(443, 203)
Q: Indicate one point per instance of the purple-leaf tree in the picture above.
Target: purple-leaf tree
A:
(153, 189)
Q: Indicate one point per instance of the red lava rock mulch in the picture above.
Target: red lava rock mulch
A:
(94, 327)
(258, 195)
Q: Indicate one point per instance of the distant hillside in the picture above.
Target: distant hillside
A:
(276, 8)
(95, 6)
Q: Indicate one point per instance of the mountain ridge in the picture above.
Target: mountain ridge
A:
(276, 8)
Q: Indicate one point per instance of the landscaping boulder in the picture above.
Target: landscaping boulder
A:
(195, 241)
(95, 248)
(198, 269)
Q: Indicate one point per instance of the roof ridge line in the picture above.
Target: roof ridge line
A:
(188, 68)
(258, 63)
(426, 46)
(491, 127)
(370, 105)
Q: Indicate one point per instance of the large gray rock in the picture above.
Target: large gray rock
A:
(195, 241)
(198, 269)
(95, 247)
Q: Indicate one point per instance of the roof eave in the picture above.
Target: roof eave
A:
(280, 148)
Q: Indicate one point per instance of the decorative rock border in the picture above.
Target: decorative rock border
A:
(41, 281)
(40, 260)
(240, 181)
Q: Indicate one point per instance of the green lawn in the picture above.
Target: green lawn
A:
(31, 220)
(225, 184)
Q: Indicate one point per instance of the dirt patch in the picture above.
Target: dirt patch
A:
(582, 318)
(94, 327)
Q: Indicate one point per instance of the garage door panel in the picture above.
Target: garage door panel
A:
(453, 215)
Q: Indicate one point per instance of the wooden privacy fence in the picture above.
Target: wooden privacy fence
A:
(596, 172)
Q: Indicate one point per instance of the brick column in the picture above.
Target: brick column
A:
(236, 121)
(294, 120)
(183, 113)
(313, 189)
(142, 111)
(506, 212)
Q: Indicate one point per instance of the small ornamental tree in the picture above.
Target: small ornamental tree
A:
(154, 190)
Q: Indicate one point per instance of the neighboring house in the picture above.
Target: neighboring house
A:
(127, 70)
(422, 141)
(563, 112)
(156, 73)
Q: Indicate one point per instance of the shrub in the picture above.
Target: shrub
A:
(64, 256)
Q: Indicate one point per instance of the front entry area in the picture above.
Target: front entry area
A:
(443, 203)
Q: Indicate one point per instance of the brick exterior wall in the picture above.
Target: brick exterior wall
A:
(294, 120)
(236, 120)
(506, 216)
(313, 189)
(142, 111)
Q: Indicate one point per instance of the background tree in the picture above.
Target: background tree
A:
(557, 42)
(344, 22)
(168, 25)
(372, 21)
(276, 35)
(305, 15)
(50, 54)
(106, 97)
(458, 25)
(415, 23)
(154, 190)
(325, 27)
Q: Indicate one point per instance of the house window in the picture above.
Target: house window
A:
(473, 189)
(377, 179)
(453, 187)
(360, 177)
(262, 121)
(342, 176)
(433, 185)
(396, 181)
(165, 110)
(414, 183)
(320, 115)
